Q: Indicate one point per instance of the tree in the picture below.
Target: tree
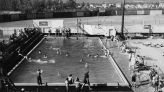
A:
(71, 4)
(26, 6)
(49, 4)
(41, 6)
(5, 4)
(82, 4)
(16, 5)
(59, 5)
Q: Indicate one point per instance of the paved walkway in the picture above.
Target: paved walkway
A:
(123, 62)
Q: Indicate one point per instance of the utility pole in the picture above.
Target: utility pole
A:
(77, 29)
(122, 25)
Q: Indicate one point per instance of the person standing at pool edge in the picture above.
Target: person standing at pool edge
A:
(86, 80)
(67, 85)
(39, 78)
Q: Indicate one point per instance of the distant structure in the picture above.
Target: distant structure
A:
(5, 4)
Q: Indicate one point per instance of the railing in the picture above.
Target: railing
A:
(60, 87)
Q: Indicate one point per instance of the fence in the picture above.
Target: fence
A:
(156, 12)
(80, 14)
(134, 12)
(140, 12)
(15, 17)
(40, 15)
(22, 16)
(31, 16)
(1, 18)
(49, 15)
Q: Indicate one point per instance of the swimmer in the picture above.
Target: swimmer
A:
(45, 56)
(46, 40)
(88, 55)
(40, 52)
(86, 65)
(102, 48)
(67, 54)
(51, 47)
(58, 52)
(26, 57)
(51, 61)
(106, 53)
(59, 74)
(38, 60)
(29, 59)
(96, 56)
(81, 60)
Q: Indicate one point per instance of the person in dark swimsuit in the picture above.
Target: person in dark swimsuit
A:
(86, 79)
(39, 78)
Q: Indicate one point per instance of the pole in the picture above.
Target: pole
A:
(77, 30)
(123, 13)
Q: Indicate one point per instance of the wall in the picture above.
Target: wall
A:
(109, 12)
(156, 12)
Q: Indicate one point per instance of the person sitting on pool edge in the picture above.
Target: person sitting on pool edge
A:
(77, 84)
(45, 56)
(69, 80)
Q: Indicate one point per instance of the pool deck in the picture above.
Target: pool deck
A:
(123, 63)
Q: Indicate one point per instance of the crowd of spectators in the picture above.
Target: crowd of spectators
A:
(21, 41)
(16, 38)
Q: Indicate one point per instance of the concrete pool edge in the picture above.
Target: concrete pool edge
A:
(63, 84)
(24, 57)
(116, 67)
